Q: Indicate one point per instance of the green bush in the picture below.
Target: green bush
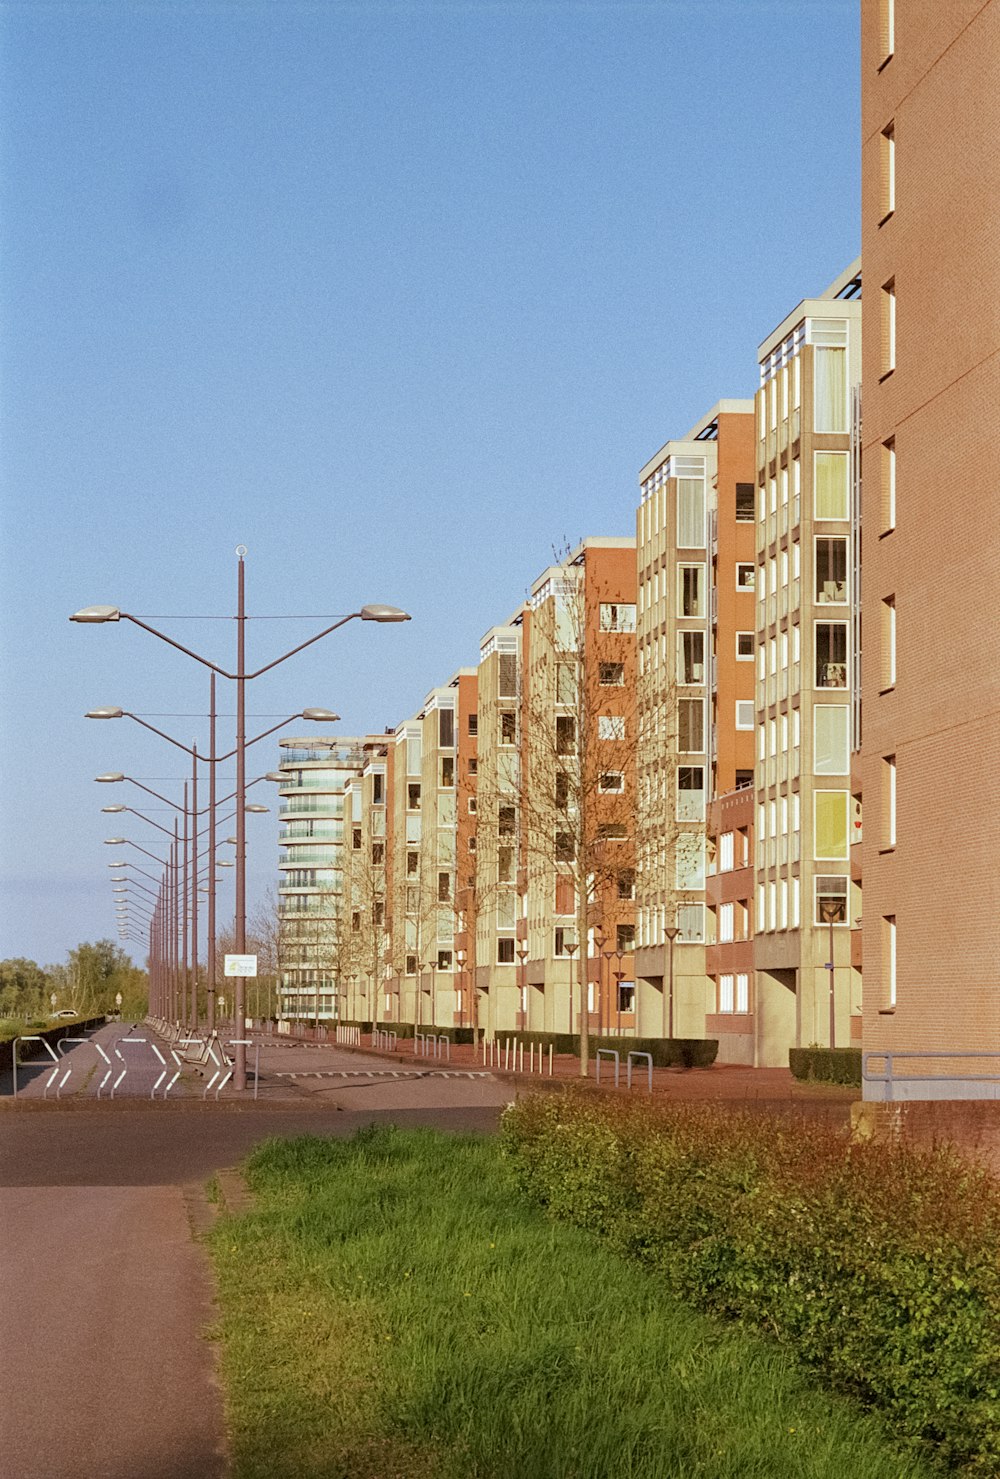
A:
(830, 1065)
(879, 1265)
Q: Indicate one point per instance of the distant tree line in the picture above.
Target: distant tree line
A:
(87, 983)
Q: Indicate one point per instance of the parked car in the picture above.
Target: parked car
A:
(66, 1012)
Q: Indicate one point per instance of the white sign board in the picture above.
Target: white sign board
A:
(241, 965)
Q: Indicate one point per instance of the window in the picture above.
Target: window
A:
(744, 713)
(690, 513)
(611, 832)
(565, 847)
(447, 771)
(888, 642)
(564, 791)
(505, 950)
(830, 823)
(830, 473)
(378, 852)
(745, 577)
(411, 965)
(413, 796)
(744, 780)
(444, 960)
(831, 739)
(831, 654)
(412, 864)
(505, 865)
(507, 675)
(889, 801)
(888, 303)
(471, 843)
(726, 853)
(831, 570)
(830, 376)
(356, 838)
(626, 885)
(506, 821)
(444, 887)
(691, 923)
(564, 941)
(355, 920)
(742, 992)
(725, 924)
(625, 937)
(887, 30)
(626, 996)
(612, 674)
(691, 590)
(831, 899)
(610, 727)
(473, 724)
(566, 683)
(378, 790)
(889, 485)
(472, 806)
(611, 781)
(617, 616)
(508, 727)
(889, 956)
(690, 793)
(689, 861)
(691, 657)
(887, 172)
(744, 646)
(691, 725)
(727, 1001)
(565, 735)
(473, 765)
(746, 508)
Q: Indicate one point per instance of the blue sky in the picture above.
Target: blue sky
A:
(400, 296)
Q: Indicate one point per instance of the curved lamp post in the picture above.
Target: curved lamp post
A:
(376, 612)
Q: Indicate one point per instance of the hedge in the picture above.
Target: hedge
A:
(878, 1264)
(675, 1052)
(831, 1065)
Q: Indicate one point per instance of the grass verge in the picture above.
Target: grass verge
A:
(393, 1307)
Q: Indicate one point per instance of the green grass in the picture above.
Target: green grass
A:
(393, 1307)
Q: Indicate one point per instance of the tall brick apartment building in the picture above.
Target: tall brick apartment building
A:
(931, 544)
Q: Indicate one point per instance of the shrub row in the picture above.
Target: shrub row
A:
(831, 1065)
(879, 1265)
(674, 1052)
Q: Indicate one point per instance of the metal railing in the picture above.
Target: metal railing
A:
(890, 1077)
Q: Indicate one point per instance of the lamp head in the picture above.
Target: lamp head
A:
(112, 775)
(254, 807)
(321, 716)
(377, 612)
(97, 614)
(107, 713)
(114, 842)
(276, 775)
(114, 808)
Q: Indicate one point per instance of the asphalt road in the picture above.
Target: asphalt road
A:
(105, 1369)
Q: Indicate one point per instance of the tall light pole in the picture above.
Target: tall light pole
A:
(671, 933)
(372, 612)
(830, 912)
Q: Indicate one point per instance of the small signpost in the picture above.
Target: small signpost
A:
(241, 965)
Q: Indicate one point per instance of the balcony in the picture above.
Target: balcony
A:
(333, 807)
(318, 834)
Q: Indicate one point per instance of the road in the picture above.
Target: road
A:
(105, 1370)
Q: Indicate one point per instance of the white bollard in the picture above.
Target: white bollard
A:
(550, 1060)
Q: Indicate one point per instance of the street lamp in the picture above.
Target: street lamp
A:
(376, 611)
(671, 932)
(460, 959)
(522, 955)
(830, 910)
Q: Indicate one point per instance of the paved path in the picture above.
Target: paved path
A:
(105, 1371)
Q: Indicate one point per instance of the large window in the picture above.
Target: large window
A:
(691, 726)
(831, 899)
(691, 590)
(830, 824)
(611, 726)
(446, 728)
(831, 499)
(690, 793)
(690, 513)
(831, 654)
(829, 337)
(691, 923)
(831, 570)
(617, 616)
(888, 301)
(831, 739)
(690, 860)
(691, 657)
